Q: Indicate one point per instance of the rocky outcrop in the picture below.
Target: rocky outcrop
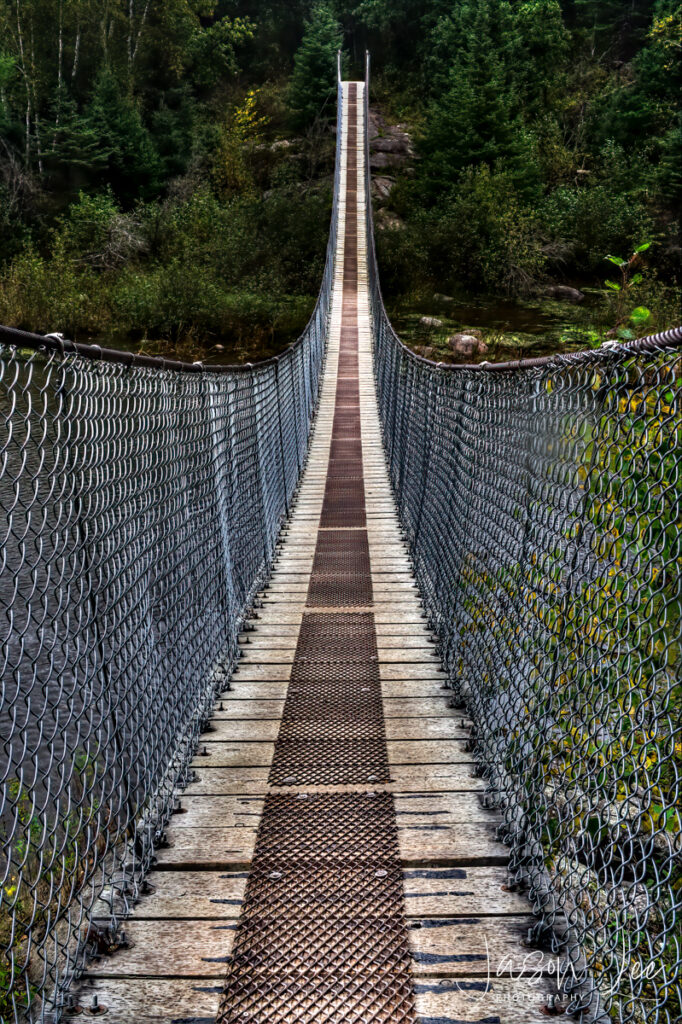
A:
(427, 351)
(386, 161)
(390, 153)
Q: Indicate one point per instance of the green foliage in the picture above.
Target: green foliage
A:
(47, 862)
(623, 290)
(133, 165)
(474, 119)
(313, 83)
(189, 270)
(137, 141)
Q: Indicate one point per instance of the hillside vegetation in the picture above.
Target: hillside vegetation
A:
(165, 169)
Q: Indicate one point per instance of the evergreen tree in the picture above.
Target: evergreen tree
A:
(313, 84)
(476, 118)
(646, 106)
(133, 163)
(542, 49)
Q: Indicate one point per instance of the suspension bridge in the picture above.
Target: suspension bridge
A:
(343, 687)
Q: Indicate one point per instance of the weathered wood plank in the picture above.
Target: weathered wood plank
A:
(465, 1000)
(278, 672)
(427, 752)
(216, 781)
(224, 811)
(214, 895)
(408, 707)
(457, 892)
(417, 809)
(443, 728)
(227, 730)
(154, 1000)
(406, 670)
(272, 655)
(411, 688)
(170, 950)
(436, 778)
(450, 845)
(406, 778)
(203, 849)
(470, 946)
(233, 707)
(475, 1001)
(266, 689)
(227, 755)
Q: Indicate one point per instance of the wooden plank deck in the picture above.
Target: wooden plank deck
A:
(463, 923)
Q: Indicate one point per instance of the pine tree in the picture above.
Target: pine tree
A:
(133, 166)
(542, 49)
(476, 118)
(313, 84)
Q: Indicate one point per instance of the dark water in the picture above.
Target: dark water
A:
(512, 330)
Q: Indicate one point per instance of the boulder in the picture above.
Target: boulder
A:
(382, 187)
(467, 344)
(430, 321)
(387, 219)
(564, 293)
(445, 300)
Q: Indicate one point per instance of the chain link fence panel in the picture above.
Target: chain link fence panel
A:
(542, 502)
(141, 504)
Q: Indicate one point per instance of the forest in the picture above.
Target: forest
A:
(166, 168)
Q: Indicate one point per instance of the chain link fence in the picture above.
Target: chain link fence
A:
(542, 502)
(141, 503)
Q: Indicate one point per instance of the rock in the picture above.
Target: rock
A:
(385, 219)
(564, 293)
(445, 300)
(382, 187)
(430, 321)
(379, 161)
(467, 344)
(426, 351)
(397, 144)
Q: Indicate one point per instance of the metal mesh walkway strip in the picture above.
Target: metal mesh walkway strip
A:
(322, 937)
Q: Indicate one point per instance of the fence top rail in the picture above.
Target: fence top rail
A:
(55, 343)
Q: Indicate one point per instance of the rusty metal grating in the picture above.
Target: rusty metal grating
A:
(340, 590)
(337, 638)
(322, 936)
(332, 729)
(334, 762)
